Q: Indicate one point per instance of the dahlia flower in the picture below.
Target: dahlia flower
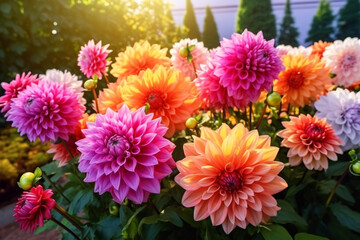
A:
(343, 58)
(48, 110)
(110, 97)
(230, 175)
(140, 57)
(341, 109)
(303, 80)
(199, 56)
(170, 95)
(247, 64)
(71, 82)
(92, 59)
(318, 48)
(125, 154)
(13, 88)
(310, 141)
(289, 50)
(33, 207)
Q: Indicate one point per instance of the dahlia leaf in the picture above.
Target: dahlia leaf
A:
(346, 216)
(307, 236)
(287, 214)
(170, 215)
(130, 229)
(276, 232)
(148, 220)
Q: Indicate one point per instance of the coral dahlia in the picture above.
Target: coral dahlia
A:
(303, 80)
(230, 175)
(48, 110)
(341, 108)
(92, 59)
(125, 154)
(247, 64)
(140, 57)
(310, 141)
(110, 97)
(169, 94)
(343, 58)
(199, 56)
(13, 88)
(318, 48)
(33, 207)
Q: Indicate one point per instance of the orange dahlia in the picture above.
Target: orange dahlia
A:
(310, 141)
(230, 175)
(110, 97)
(318, 48)
(140, 57)
(302, 81)
(169, 94)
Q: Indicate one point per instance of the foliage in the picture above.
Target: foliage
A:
(190, 22)
(288, 32)
(321, 26)
(349, 20)
(210, 35)
(256, 16)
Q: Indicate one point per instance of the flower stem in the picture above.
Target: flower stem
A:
(106, 79)
(66, 215)
(153, 206)
(96, 100)
(193, 64)
(64, 227)
(224, 115)
(250, 113)
(67, 149)
(262, 116)
(334, 189)
(54, 186)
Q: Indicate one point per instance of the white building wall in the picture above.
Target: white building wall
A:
(224, 12)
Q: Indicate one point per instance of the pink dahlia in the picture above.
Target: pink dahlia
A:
(48, 110)
(199, 54)
(13, 88)
(211, 92)
(92, 59)
(125, 154)
(33, 207)
(247, 64)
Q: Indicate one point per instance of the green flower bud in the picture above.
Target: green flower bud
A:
(90, 84)
(26, 180)
(273, 99)
(184, 52)
(191, 123)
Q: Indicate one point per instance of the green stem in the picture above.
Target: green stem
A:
(334, 189)
(262, 116)
(64, 227)
(54, 186)
(250, 113)
(67, 148)
(66, 215)
(224, 115)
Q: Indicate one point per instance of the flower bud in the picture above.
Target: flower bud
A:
(90, 84)
(273, 99)
(114, 209)
(356, 167)
(191, 123)
(26, 181)
(184, 52)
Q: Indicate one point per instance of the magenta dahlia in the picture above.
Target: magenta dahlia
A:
(92, 59)
(33, 207)
(247, 64)
(13, 88)
(48, 110)
(125, 154)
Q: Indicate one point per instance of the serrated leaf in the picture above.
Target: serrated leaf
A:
(347, 217)
(307, 236)
(287, 214)
(276, 232)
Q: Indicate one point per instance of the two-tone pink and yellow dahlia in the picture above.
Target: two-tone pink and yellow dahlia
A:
(247, 64)
(125, 154)
(230, 175)
(310, 141)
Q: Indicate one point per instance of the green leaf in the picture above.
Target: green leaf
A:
(294, 189)
(276, 232)
(47, 225)
(306, 236)
(5, 8)
(130, 229)
(191, 47)
(287, 214)
(326, 186)
(336, 169)
(148, 220)
(170, 215)
(346, 216)
(37, 172)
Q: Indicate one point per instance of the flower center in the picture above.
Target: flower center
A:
(29, 102)
(229, 181)
(156, 99)
(314, 132)
(348, 62)
(352, 114)
(118, 146)
(295, 80)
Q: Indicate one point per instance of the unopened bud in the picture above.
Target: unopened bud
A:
(90, 84)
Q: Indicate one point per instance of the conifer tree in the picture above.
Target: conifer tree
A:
(288, 32)
(256, 16)
(210, 35)
(321, 26)
(349, 20)
(190, 21)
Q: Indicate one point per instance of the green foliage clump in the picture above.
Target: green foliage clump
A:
(321, 26)
(190, 23)
(210, 35)
(288, 32)
(256, 16)
(349, 20)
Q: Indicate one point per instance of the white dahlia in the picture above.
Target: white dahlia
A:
(289, 50)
